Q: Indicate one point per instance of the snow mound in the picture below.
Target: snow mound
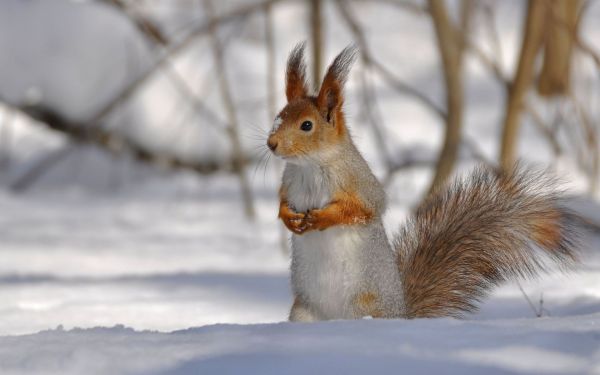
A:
(547, 345)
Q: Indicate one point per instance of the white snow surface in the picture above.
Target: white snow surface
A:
(167, 260)
(442, 346)
(152, 265)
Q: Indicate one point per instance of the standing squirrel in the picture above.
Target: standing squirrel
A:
(465, 238)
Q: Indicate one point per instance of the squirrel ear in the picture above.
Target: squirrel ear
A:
(330, 96)
(295, 74)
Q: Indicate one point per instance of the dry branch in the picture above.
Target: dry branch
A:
(369, 60)
(173, 50)
(591, 135)
(272, 105)
(80, 133)
(544, 129)
(558, 45)
(5, 136)
(316, 34)
(451, 46)
(228, 103)
(143, 24)
(532, 40)
(149, 30)
(368, 94)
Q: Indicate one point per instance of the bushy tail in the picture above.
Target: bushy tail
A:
(477, 233)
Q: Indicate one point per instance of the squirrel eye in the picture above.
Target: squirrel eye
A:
(306, 126)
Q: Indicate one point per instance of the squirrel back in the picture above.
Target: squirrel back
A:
(478, 232)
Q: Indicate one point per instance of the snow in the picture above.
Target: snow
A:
(161, 264)
(110, 267)
(534, 346)
(276, 124)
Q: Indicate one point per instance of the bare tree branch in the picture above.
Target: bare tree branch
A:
(369, 96)
(544, 129)
(227, 98)
(410, 6)
(145, 25)
(316, 34)
(532, 41)
(389, 77)
(41, 166)
(555, 77)
(451, 47)
(272, 105)
(5, 136)
(174, 49)
(80, 133)
(592, 143)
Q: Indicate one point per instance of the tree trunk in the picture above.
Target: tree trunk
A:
(532, 40)
(316, 28)
(558, 47)
(450, 41)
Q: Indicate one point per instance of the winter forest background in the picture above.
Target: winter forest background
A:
(136, 191)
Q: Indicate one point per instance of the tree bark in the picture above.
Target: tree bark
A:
(532, 41)
(560, 33)
(450, 41)
(316, 28)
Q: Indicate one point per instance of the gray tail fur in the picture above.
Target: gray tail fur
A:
(478, 232)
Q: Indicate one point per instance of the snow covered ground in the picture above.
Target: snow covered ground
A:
(109, 268)
(443, 346)
(154, 263)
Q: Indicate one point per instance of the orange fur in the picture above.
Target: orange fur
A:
(367, 304)
(547, 230)
(294, 221)
(346, 208)
(292, 142)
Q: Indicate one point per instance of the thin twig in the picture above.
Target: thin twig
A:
(529, 302)
(149, 29)
(230, 110)
(5, 135)
(368, 59)
(41, 166)
(110, 141)
(172, 51)
(369, 95)
(545, 130)
(272, 104)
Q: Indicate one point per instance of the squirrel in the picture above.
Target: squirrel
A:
(465, 238)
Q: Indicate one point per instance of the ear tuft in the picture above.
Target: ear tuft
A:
(340, 68)
(330, 96)
(295, 74)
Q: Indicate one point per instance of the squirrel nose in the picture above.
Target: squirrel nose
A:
(272, 144)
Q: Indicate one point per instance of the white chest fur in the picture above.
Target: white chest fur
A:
(326, 268)
(309, 188)
(325, 263)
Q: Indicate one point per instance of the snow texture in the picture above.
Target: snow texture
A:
(105, 242)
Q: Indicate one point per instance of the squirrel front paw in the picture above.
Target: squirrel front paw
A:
(316, 219)
(294, 221)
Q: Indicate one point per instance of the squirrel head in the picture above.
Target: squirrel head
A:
(310, 126)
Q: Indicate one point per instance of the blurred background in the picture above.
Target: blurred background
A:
(135, 186)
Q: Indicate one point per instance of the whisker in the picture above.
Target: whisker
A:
(265, 169)
(264, 153)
